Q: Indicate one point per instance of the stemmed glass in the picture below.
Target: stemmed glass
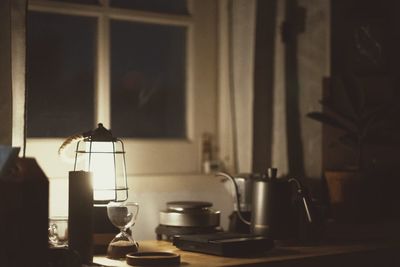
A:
(122, 215)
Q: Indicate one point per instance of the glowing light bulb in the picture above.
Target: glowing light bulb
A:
(102, 165)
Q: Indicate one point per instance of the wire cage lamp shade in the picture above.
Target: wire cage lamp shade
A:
(102, 154)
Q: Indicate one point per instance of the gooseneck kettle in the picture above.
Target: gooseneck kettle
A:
(277, 211)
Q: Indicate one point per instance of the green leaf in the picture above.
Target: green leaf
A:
(343, 115)
(340, 99)
(349, 140)
(355, 94)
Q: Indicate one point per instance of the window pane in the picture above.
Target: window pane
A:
(162, 6)
(60, 57)
(148, 80)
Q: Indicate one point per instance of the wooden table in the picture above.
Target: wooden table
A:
(356, 254)
(343, 245)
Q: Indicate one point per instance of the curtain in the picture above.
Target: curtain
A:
(12, 71)
(269, 80)
(5, 74)
(236, 94)
(18, 55)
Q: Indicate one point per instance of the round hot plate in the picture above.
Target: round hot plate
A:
(189, 214)
(187, 217)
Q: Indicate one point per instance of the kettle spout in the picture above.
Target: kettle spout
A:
(237, 195)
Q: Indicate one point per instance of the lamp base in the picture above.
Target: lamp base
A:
(80, 215)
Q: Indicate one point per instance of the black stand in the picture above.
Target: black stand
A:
(80, 215)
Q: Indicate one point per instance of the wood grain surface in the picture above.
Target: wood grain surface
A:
(321, 255)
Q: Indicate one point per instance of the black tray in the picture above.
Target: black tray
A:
(224, 244)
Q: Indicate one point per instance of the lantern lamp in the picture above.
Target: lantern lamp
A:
(103, 155)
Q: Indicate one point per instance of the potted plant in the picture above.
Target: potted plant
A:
(347, 108)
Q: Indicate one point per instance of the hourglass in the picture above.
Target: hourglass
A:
(123, 216)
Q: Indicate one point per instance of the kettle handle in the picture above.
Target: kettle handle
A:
(300, 191)
(237, 196)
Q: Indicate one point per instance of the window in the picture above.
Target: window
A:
(61, 74)
(146, 69)
(147, 80)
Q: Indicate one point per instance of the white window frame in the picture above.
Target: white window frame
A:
(148, 156)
